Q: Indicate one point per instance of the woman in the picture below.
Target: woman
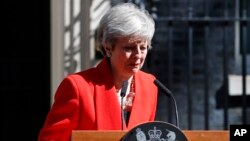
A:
(91, 99)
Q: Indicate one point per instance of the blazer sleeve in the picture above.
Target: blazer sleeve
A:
(64, 113)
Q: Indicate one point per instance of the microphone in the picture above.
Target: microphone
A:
(124, 88)
(123, 93)
(169, 94)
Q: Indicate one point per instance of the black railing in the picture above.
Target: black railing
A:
(226, 22)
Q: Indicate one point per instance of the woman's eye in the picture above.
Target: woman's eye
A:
(143, 48)
(128, 48)
(135, 49)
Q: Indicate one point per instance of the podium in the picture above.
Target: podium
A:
(192, 135)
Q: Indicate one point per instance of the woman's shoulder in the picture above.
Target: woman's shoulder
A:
(92, 72)
(85, 74)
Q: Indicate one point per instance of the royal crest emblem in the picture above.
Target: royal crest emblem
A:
(155, 135)
(155, 131)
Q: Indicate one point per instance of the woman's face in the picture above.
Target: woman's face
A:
(128, 56)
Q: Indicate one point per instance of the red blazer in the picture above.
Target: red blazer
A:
(88, 101)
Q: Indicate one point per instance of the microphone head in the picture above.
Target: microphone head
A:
(124, 88)
(161, 86)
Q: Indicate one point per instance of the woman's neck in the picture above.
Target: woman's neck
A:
(119, 81)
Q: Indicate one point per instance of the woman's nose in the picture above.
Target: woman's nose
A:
(138, 52)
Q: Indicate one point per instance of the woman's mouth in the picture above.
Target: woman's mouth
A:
(135, 65)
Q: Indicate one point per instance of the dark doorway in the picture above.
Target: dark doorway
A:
(25, 69)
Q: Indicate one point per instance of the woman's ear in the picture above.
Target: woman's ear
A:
(107, 50)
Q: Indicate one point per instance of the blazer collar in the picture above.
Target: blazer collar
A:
(107, 105)
(108, 112)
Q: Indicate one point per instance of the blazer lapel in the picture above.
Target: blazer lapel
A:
(136, 115)
(108, 112)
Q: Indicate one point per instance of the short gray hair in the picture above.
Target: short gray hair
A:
(125, 20)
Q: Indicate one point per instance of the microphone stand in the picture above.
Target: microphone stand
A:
(169, 94)
(123, 93)
(122, 112)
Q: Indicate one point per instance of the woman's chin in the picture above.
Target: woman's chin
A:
(135, 70)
